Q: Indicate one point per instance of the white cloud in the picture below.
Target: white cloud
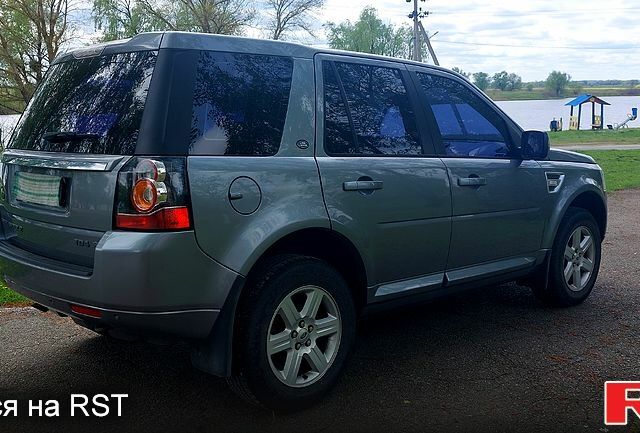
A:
(533, 28)
(608, 31)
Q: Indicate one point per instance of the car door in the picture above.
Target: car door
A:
(497, 198)
(383, 186)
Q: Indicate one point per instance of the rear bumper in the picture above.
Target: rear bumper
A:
(143, 283)
(190, 324)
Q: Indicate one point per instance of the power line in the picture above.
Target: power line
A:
(525, 13)
(634, 47)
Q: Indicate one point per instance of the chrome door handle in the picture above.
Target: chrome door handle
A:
(362, 185)
(471, 181)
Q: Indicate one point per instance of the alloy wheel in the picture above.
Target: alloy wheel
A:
(304, 336)
(579, 259)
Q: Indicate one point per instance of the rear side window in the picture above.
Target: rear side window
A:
(90, 105)
(468, 126)
(367, 111)
(239, 104)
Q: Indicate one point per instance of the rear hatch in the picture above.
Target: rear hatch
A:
(59, 173)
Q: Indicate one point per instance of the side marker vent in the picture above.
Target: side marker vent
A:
(554, 181)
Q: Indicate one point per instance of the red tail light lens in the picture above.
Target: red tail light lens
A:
(168, 218)
(153, 195)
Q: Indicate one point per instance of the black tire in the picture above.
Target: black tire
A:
(253, 378)
(558, 293)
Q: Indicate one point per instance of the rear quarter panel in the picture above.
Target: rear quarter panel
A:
(289, 183)
(291, 200)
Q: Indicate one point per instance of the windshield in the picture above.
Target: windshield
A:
(89, 105)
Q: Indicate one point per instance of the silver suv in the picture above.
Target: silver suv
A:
(254, 198)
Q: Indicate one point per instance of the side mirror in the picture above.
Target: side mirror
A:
(535, 145)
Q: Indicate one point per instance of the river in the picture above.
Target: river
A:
(538, 113)
(530, 115)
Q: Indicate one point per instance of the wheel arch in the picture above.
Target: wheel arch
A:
(215, 354)
(590, 199)
(329, 246)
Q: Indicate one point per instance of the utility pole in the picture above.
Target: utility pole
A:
(432, 53)
(418, 31)
(417, 55)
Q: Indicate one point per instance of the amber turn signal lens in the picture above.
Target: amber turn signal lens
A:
(144, 196)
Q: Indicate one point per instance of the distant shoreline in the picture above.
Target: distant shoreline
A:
(539, 94)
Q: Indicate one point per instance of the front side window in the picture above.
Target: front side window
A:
(367, 111)
(239, 104)
(468, 126)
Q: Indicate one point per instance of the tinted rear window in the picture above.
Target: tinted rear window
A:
(99, 99)
(368, 112)
(239, 104)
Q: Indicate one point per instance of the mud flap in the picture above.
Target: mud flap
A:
(538, 280)
(214, 354)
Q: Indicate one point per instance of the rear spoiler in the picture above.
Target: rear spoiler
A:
(143, 42)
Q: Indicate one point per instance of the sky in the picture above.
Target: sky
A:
(588, 39)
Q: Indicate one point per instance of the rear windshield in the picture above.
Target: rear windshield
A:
(89, 105)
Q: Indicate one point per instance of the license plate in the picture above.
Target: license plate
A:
(42, 189)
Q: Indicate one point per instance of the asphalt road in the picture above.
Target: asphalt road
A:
(490, 360)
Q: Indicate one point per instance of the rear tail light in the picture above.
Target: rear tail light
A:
(153, 195)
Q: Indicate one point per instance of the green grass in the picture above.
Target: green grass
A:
(621, 167)
(517, 95)
(605, 136)
(9, 297)
(611, 91)
(541, 93)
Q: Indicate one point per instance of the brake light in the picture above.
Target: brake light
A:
(153, 195)
(168, 218)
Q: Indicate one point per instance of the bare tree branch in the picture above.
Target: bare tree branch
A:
(289, 15)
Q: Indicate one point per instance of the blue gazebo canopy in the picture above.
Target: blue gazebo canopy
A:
(584, 98)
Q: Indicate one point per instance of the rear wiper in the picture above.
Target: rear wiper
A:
(62, 136)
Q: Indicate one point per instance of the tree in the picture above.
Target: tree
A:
(482, 80)
(514, 82)
(227, 17)
(31, 33)
(557, 83)
(369, 34)
(125, 18)
(507, 82)
(461, 72)
(290, 15)
(500, 80)
(119, 19)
